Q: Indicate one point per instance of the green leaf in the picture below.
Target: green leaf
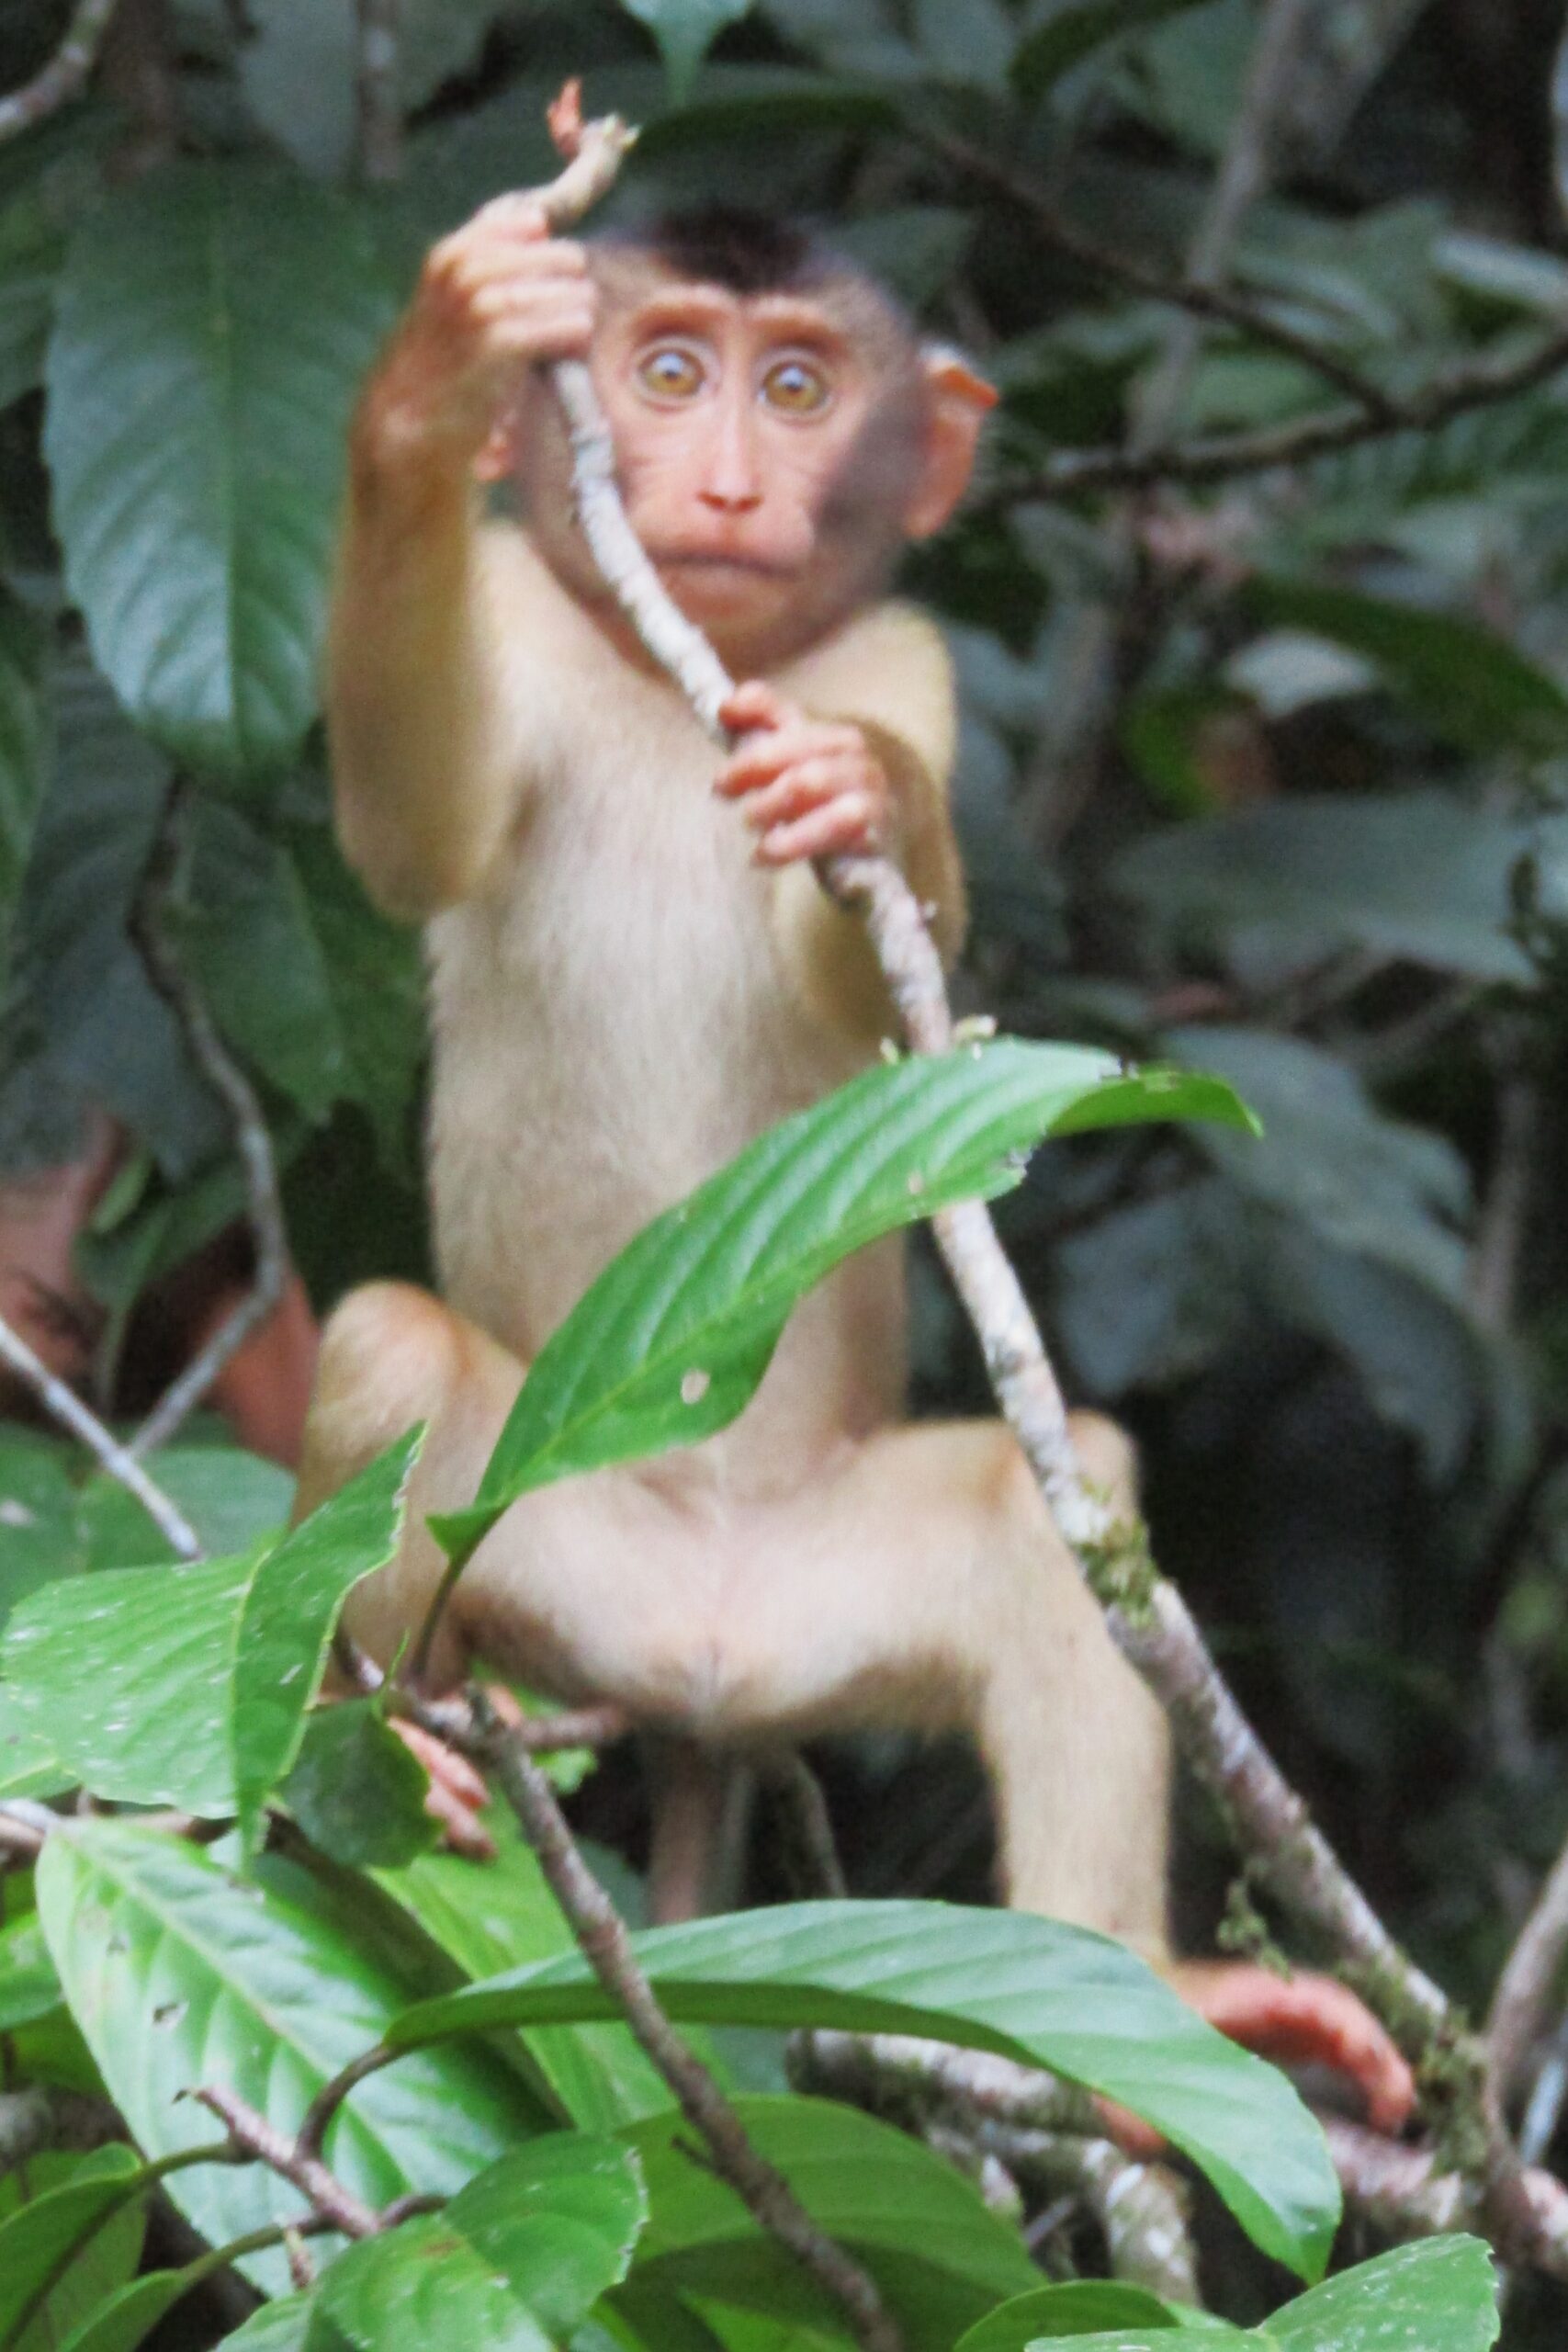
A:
(288, 1613)
(1420, 876)
(669, 1342)
(188, 1685)
(1439, 2294)
(28, 1765)
(29, 1989)
(1033, 1989)
(1079, 2307)
(357, 1791)
(940, 2257)
(22, 746)
(685, 30)
(1072, 29)
(131, 2313)
(46, 2238)
(181, 1971)
(282, 2326)
(46, 181)
(1465, 681)
(513, 2264)
(234, 1501)
(504, 1915)
(213, 323)
(128, 1680)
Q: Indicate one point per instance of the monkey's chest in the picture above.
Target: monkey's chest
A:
(611, 1024)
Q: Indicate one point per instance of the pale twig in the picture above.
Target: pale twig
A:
(65, 76)
(1529, 1983)
(379, 100)
(62, 1404)
(253, 2135)
(1140, 2208)
(252, 1141)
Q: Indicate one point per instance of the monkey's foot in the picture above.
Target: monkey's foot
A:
(457, 1795)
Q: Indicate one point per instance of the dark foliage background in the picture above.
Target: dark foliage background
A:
(1266, 774)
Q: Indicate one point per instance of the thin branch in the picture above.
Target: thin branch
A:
(238, 1096)
(1140, 2208)
(1223, 456)
(1528, 1981)
(1217, 304)
(605, 1943)
(64, 1406)
(253, 2135)
(1147, 1616)
(594, 1727)
(379, 99)
(65, 74)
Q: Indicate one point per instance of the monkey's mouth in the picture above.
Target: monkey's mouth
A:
(722, 564)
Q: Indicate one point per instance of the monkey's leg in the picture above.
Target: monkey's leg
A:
(925, 1585)
(391, 1355)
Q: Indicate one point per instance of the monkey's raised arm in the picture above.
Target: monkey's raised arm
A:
(420, 659)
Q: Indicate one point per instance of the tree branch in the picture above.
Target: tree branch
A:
(62, 1404)
(65, 76)
(1223, 456)
(1528, 1983)
(1217, 304)
(238, 1096)
(253, 2135)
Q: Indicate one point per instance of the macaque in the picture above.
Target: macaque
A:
(633, 970)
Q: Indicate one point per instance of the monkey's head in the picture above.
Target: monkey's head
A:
(780, 432)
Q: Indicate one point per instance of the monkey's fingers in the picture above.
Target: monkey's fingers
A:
(759, 758)
(844, 826)
(456, 1795)
(1307, 2020)
(753, 705)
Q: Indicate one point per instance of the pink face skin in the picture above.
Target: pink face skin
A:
(733, 418)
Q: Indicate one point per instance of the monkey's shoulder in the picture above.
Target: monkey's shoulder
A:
(886, 668)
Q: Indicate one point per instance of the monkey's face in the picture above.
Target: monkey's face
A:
(774, 452)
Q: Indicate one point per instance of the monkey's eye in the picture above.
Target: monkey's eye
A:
(670, 373)
(798, 386)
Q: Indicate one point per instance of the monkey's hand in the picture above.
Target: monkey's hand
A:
(495, 297)
(1300, 2020)
(811, 789)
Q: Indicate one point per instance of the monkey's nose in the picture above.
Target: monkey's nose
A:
(731, 502)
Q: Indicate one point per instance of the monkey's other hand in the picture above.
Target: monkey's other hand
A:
(456, 1793)
(1304, 2021)
(811, 788)
(494, 299)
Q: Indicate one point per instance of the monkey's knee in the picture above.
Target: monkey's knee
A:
(389, 1356)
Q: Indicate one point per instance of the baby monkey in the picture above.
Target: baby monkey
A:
(635, 970)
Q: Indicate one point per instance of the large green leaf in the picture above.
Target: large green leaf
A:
(685, 31)
(122, 2321)
(52, 2237)
(504, 1915)
(671, 1342)
(1077, 2307)
(1066, 31)
(181, 1971)
(1033, 1989)
(940, 2257)
(287, 1614)
(1423, 877)
(513, 2264)
(188, 1685)
(1467, 681)
(45, 182)
(212, 325)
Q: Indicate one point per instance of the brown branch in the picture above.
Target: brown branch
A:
(238, 1096)
(1217, 304)
(253, 2135)
(65, 76)
(1223, 456)
(62, 1404)
(379, 100)
(605, 1943)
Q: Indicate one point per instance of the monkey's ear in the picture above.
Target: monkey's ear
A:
(957, 403)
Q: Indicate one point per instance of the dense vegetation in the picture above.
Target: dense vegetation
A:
(1259, 619)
